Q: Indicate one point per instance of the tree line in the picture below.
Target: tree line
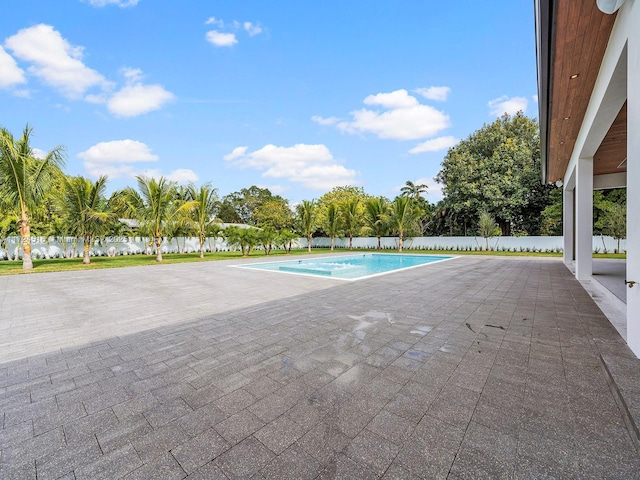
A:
(490, 183)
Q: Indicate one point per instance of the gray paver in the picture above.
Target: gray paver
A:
(477, 367)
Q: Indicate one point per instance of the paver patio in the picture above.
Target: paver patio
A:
(479, 367)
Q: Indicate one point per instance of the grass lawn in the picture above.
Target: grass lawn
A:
(65, 264)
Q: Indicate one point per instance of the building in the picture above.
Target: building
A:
(588, 55)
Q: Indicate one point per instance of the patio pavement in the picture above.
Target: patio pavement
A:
(478, 367)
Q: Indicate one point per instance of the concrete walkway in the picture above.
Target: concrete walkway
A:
(478, 367)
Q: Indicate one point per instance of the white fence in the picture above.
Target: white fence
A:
(42, 247)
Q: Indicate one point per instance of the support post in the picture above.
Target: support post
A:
(584, 218)
(568, 224)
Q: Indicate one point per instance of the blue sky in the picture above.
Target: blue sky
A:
(295, 96)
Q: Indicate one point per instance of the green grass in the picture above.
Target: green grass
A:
(64, 264)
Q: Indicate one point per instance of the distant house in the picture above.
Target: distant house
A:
(588, 56)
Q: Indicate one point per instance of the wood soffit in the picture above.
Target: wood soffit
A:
(581, 35)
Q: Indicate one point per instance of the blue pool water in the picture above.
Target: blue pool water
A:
(351, 267)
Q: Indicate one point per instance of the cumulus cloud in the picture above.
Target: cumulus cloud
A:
(116, 158)
(313, 166)
(136, 98)
(435, 145)
(119, 3)
(402, 118)
(55, 61)
(220, 39)
(10, 73)
(182, 175)
(438, 94)
(38, 153)
(214, 21)
(251, 28)
(325, 121)
(504, 104)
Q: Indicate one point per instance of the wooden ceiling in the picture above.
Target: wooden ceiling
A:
(581, 35)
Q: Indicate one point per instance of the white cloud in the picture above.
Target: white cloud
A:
(251, 28)
(504, 104)
(136, 98)
(55, 61)
(438, 94)
(183, 175)
(214, 21)
(115, 158)
(37, 153)
(325, 121)
(313, 166)
(404, 119)
(10, 73)
(22, 93)
(220, 39)
(435, 145)
(535, 98)
(119, 3)
(396, 99)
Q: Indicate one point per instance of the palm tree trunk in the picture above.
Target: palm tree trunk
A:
(379, 245)
(333, 241)
(350, 242)
(309, 243)
(201, 247)
(85, 258)
(158, 249)
(25, 233)
(400, 241)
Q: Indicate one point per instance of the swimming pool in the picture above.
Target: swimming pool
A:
(349, 267)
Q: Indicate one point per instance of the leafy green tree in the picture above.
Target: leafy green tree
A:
(351, 218)
(496, 169)
(552, 214)
(487, 227)
(285, 239)
(24, 180)
(333, 223)
(376, 217)
(203, 214)
(275, 213)
(245, 238)
(403, 214)
(615, 223)
(155, 206)
(307, 219)
(267, 237)
(240, 207)
(86, 210)
(339, 196)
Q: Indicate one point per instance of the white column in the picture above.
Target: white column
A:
(633, 178)
(568, 225)
(584, 218)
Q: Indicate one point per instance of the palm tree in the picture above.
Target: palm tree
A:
(403, 214)
(155, 206)
(306, 217)
(413, 191)
(25, 179)
(351, 218)
(334, 223)
(85, 209)
(376, 216)
(203, 213)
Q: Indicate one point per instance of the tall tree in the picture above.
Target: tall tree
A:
(203, 213)
(376, 217)
(403, 215)
(275, 213)
(240, 207)
(154, 206)
(413, 190)
(85, 210)
(333, 223)
(351, 218)
(496, 169)
(307, 219)
(339, 196)
(25, 179)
